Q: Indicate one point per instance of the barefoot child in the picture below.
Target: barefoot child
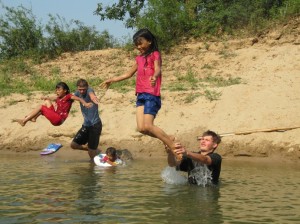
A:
(148, 83)
(56, 112)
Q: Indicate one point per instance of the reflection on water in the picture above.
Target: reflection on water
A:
(52, 189)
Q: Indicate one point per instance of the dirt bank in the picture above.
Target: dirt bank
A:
(268, 96)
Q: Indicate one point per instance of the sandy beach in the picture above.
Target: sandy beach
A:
(268, 97)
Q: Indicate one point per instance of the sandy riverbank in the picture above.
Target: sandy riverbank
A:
(267, 97)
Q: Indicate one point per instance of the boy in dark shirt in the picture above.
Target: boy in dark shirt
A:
(208, 143)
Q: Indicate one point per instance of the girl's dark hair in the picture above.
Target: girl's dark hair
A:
(64, 86)
(145, 33)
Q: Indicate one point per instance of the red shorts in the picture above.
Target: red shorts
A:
(51, 115)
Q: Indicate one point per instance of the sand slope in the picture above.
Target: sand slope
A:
(268, 97)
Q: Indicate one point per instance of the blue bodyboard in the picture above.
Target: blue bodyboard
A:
(51, 148)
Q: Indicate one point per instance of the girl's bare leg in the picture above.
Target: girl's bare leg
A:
(145, 124)
(34, 118)
(33, 114)
(46, 103)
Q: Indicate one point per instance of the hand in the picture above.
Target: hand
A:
(180, 150)
(88, 105)
(105, 84)
(152, 80)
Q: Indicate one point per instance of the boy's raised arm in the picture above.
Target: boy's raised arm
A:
(85, 104)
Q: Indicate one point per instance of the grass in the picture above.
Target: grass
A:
(218, 81)
(124, 86)
(19, 76)
(201, 87)
(212, 95)
(191, 97)
(226, 54)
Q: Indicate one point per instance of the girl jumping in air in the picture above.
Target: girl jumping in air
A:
(55, 108)
(148, 84)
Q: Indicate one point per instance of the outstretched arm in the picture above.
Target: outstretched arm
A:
(126, 75)
(87, 105)
(205, 159)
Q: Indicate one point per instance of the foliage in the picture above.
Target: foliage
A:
(21, 35)
(121, 10)
(73, 36)
(173, 20)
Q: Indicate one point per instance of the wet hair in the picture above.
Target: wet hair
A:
(145, 33)
(64, 86)
(111, 151)
(215, 136)
(82, 83)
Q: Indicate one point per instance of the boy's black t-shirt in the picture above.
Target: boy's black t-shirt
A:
(187, 165)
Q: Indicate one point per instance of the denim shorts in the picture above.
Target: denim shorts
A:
(151, 103)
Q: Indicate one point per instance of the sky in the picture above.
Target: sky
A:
(81, 10)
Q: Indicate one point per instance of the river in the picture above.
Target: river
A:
(61, 189)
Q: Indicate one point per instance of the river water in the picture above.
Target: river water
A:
(55, 189)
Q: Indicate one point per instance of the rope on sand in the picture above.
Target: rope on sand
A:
(258, 130)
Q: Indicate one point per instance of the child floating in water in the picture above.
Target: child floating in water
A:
(110, 158)
(56, 112)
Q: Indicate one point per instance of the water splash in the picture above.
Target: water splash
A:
(201, 175)
(171, 176)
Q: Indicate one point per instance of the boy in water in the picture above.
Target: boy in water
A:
(208, 143)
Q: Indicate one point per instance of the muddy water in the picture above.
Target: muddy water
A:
(61, 189)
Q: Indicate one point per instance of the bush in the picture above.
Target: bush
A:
(19, 33)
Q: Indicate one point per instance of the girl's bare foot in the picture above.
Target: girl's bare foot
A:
(32, 119)
(173, 139)
(178, 157)
(175, 146)
(20, 121)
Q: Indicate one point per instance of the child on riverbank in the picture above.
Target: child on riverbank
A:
(148, 84)
(55, 108)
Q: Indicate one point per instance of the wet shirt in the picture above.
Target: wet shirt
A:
(145, 71)
(64, 105)
(90, 115)
(188, 165)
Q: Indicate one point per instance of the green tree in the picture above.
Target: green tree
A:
(119, 11)
(172, 20)
(19, 32)
(74, 36)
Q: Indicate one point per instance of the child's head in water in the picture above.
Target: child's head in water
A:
(111, 154)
